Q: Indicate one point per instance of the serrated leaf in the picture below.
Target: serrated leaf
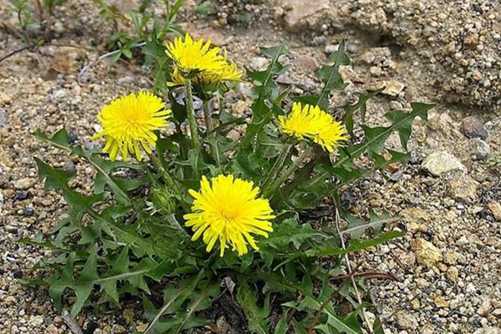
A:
(290, 232)
(331, 77)
(403, 124)
(375, 138)
(54, 178)
(256, 316)
(354, 246)
(337, 323)
(282, 326)
(60, 139)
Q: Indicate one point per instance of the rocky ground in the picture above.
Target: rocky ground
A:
(446, 52)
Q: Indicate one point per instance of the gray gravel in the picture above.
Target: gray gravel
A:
(447, 263)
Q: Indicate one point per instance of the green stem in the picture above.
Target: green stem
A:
(211, 135)
(169, 180)
(281, 179)
(277, 167)
(191, 116)
(173, 221)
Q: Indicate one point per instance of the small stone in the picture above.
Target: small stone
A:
(451, 257)
(141, 327)
(485, 307)
(36, 321)
(10, 300)
(453, 274)
(28, 211)
(5, 98)
(442, 162)
(21, 195)
(51, 329)
(306, 63)
(393, 88)
(24, 183)
(259, 63)
(331, 48)
(426, 253)
(495, 209)
(406, 320)
(473, 127)
(240, 107)
(479, 149)
(416, 219)
(118, 329)
(375, 71)
(463, 187)
(3, 118)
(441, 302)
(11, 229)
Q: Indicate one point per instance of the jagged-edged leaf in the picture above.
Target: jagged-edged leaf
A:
(402, 122)
(361, 106)
(54, 178)
(128, 236)
(276, 283)
(336, 323)
(289, 232)
(120, 266)
(354, 246)
(266, 91)
(282, 326)
(375, 138)
(330, 75)
(257, 316)
(174, 298)
(60, 139)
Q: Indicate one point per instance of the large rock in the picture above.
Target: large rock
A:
(300, 13)
(439, 163)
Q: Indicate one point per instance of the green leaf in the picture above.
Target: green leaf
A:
(337, 323)
(331, 77)
(54, 178)
(403, 124)
(375, 138)
(289, 232)
(355, 245)
(282, 326)
(60, 139)
(360, 105)
(256, 316)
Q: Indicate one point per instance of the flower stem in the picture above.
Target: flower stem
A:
(191, 116)
(211, 136)
(281, 179)
(165, 174)
(276, 168)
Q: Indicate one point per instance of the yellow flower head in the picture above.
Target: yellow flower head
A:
(312, 122)
(228, 210)
(205, 63)
(128, 124)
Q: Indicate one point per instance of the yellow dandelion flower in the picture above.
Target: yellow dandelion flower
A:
(311, 122)
(128, 124)
(204, 62)
(228, 210)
